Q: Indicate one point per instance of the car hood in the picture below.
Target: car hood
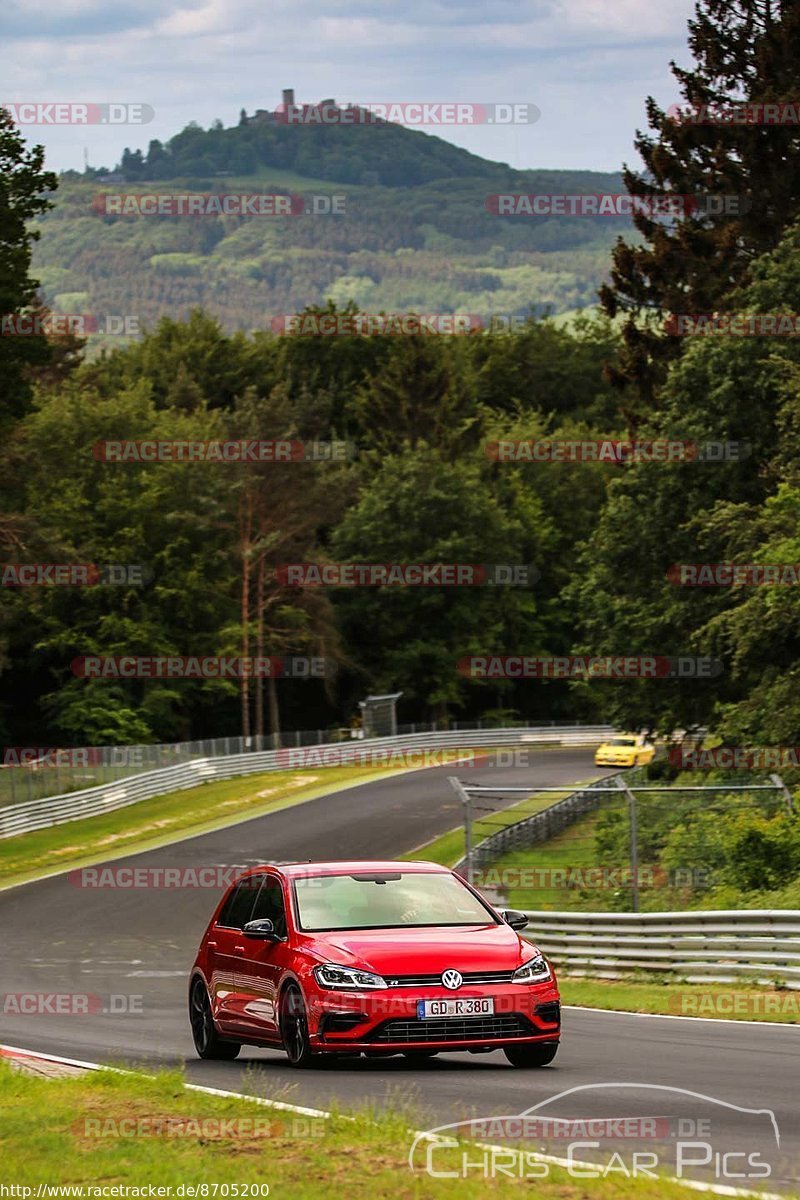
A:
(424, 951)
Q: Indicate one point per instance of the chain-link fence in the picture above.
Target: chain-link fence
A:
(624, 842)
(32, 773)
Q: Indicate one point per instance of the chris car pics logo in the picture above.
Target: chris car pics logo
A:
(660, 1130)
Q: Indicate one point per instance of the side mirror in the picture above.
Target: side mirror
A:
(517, 920)
(263, 928)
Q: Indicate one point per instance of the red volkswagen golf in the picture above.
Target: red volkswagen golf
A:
(372, 958)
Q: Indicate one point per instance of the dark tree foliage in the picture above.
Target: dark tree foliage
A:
(747, 51)
(23, 184)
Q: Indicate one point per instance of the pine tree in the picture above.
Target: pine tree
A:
(745, 51)
(24, 185)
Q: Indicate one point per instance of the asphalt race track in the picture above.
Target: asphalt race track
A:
(58, 937)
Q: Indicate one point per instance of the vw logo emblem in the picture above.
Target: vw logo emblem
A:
(452, 980)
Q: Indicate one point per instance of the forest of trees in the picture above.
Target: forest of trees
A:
(422, 488)
(433, 248)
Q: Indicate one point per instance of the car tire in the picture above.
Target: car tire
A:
(536, 1055)
(294, 1027)
(207, 1041)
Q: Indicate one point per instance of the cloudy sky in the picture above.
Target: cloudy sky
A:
(586, 64)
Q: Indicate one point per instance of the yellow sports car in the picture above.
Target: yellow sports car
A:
(625, 750)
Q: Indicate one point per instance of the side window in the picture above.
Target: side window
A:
(237, 908)
(270, 904)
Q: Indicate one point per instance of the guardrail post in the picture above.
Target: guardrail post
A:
(634, 844)
(463, 796)
(787, 795)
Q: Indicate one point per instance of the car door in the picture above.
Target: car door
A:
(226, 948)
(260, 968)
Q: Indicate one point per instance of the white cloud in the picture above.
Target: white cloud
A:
(630, 19)
(194, 22)
(587, 64)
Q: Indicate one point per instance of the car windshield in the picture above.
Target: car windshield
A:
(397, 899)
(622, 742)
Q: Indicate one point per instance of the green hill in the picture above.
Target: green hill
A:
(417, 232)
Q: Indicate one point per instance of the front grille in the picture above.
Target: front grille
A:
(435, 980)
(455, 1029)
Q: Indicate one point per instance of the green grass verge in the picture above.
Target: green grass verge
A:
(573, 853)
(670, 997)
(449, 848)
(68, 1132)
(163, 819)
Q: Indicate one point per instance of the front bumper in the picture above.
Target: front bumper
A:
(387, 1021)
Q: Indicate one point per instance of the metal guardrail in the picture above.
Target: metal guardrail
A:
(539, 827)
(57, 810)
(32, 774)
(759, 946)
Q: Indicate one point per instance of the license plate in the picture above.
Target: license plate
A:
(477, 1007)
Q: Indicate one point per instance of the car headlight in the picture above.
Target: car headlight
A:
(535, 970)
(329, 975)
